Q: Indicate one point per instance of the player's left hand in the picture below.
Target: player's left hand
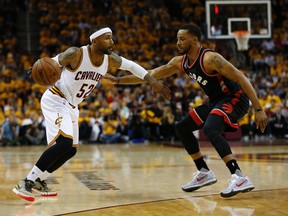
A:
(261, 120)
(29, 71)
(159, 88)
(28, 74)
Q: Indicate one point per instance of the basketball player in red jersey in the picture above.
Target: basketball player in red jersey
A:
(229, 92)
(82, 70)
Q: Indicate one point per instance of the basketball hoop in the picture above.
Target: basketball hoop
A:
(242, 38)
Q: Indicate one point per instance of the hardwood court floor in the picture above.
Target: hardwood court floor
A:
(138, 179)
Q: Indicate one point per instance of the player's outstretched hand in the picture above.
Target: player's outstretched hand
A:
(261, 120)
(159, 88)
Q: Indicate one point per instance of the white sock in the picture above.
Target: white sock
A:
(34, 174)
(45, 175)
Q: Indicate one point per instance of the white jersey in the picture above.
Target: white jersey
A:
(76, 85)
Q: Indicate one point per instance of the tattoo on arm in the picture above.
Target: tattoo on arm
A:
(72, 51)
(115, 60)
(218, 62)
(66, 57)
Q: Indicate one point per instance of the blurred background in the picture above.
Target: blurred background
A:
(145, 32)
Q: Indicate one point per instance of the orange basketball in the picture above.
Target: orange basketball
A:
(46, 71)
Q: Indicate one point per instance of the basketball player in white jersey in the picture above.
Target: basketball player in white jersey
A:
(82, 70)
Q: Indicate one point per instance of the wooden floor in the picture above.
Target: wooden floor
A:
(146, 179)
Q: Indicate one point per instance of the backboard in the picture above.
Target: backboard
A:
(225, 17)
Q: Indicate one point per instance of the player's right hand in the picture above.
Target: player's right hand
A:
(161, 89)
(261, 120)
(29, 72)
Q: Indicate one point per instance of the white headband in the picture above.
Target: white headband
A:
(100, 32)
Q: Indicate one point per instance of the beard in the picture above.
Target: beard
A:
(106, 51)
(184, 50)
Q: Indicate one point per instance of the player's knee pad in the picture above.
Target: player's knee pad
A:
(217, 140)
(184, 130)
(185, 126)
(213, 128)
(64, 143)
(210, 133)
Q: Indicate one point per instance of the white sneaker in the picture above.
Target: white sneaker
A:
(201, 178)
(24, 190)
(238, 184)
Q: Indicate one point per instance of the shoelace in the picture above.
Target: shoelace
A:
(29, 185)
(44, 183)
(195, 174)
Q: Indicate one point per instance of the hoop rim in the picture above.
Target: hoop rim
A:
(241, 33)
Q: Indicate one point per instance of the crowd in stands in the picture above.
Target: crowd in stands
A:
(144, 31)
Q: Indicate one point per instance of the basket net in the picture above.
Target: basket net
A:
(242, 39)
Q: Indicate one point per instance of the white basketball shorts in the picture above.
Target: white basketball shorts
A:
(60, 118)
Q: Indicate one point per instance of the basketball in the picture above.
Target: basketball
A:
(46, 71)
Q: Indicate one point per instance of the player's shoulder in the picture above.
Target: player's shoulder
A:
(209, 53)
(115, 60)
(72, 50)
(114, 56)
(176, 60)
(70, 56)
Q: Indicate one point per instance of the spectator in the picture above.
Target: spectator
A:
(35, 134)
(10, 131)
(136, 127)
(246, 125)
(167, 124)
(96, 124)
(110, 134)
(32, 130)
(85, 128)
(151, 114)
(278, 124)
